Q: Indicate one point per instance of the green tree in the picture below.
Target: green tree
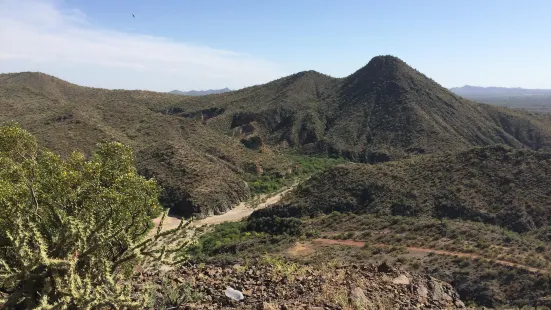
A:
(71, 230)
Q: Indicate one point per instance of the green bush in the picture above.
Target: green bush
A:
(305, 166)
(70, 230)
(275, 225)
(223, 235)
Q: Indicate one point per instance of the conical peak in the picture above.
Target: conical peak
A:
(385, 61)
(381, 67)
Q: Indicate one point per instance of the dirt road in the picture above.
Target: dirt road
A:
(239, 212)
(414, 250)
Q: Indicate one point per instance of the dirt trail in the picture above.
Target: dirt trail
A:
(239, 212)
(426, 250)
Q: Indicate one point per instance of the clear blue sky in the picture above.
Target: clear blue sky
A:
(484, 42)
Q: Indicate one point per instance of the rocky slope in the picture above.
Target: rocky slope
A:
(201, 148)
(494, 185)
(344, 287)
(201, 170)
(383, 111)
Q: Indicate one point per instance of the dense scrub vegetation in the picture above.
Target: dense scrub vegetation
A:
(221, 237)
(479, 280)
(71, 229)
(305, 166)
(234, 241)
(494, 185)
(201, 149)
(385, 110)
(200, 171)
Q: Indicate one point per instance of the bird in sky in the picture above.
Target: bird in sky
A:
(133, 16)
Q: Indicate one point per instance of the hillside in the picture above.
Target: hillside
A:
(383, 111)
(494, 185)
(274, 284)
(478, 219)
(203, 148)
(201, 170)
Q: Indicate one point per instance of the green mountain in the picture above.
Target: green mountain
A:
(478, 219)
(201, 170)
(495, 185)
(202, 148)
(383, 111)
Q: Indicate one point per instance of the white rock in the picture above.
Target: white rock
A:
(233, 294)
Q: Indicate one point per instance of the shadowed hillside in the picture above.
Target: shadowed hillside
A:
(200, 169)
(494, 185)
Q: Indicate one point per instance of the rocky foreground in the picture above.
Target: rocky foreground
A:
(282, 285)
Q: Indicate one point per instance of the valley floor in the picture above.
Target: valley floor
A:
(239, 212)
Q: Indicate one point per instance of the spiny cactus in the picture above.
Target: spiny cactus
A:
(71, 230)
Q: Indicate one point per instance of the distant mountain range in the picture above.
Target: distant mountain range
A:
(200, 92)
(537, 100)
(495, 92)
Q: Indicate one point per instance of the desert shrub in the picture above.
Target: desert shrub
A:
(223, 235)
(71, 230)
(313, 233)
(169, 294)
(275, 225)
(265, 184)
(272, 181)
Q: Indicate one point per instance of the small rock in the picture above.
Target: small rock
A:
(384, 268)
(358, 298)
(401, 279)
(268, 306)
(233, 294)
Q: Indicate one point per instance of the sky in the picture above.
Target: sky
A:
(209, 44)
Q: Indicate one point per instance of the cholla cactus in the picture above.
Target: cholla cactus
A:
(72, 230)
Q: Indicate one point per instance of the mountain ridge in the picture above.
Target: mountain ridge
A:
(386, 110)
(201, 171)
(465, 185)
(200, 92)
(496, 91)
